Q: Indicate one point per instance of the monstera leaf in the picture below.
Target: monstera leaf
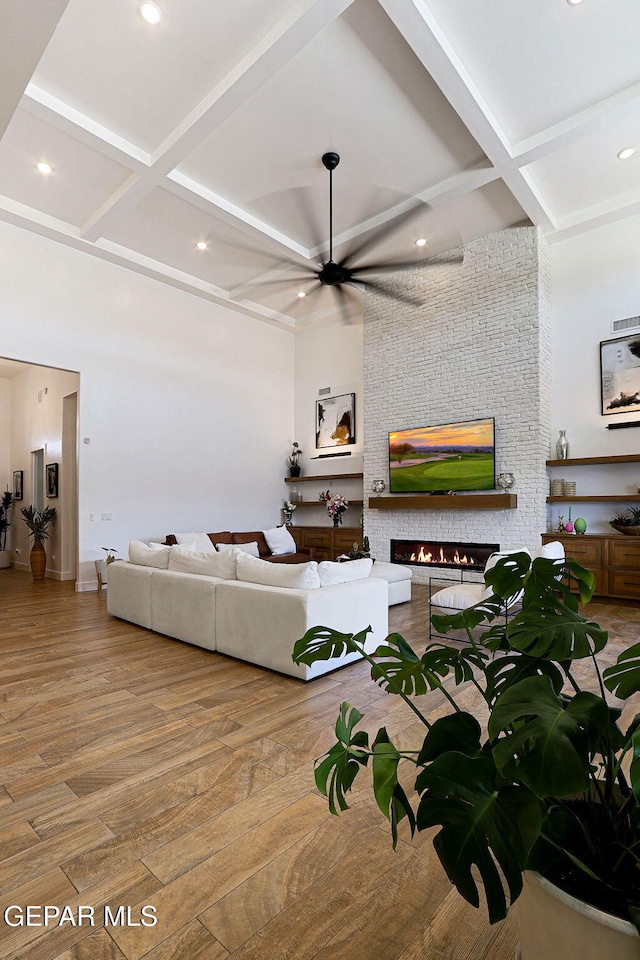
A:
(506, 671)
(623, 678)
(389, 794)
(459, 732)
(549, 629)
(483, 826)
(548, 748)
(399, 669)
(323, 643)
(336, 771)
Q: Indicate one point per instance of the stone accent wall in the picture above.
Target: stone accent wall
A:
(479, 347)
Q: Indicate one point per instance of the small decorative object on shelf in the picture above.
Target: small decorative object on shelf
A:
(627, 522)
(568, 527)
(288, 509)
(570, 488)
(562, 446)
(378, 487)
(336, 506)
(557, 488)
(293, 460)
(506, 481)
(580, 525)
(356, 553)
(296, 495)
(560, 528)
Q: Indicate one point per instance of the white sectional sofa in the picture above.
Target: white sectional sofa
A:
(256, 622)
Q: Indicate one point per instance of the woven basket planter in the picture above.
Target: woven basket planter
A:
(628, 531)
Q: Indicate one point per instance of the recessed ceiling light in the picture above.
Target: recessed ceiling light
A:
(201, 245)
(574, 3)
(150, 12)
(43, 167)
(421, 242)
(626, 153)
(301, 294)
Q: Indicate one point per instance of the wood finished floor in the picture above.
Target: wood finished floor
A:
(138, 770)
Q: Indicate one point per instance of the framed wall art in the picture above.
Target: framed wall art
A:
(52, 480)
(620, 375)
(336, 421)
(17, 484)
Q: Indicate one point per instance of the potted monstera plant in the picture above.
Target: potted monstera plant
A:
(548, 795)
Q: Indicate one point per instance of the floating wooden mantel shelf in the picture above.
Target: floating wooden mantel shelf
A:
(470, 501)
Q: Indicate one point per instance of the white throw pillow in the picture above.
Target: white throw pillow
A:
(207, 563)
(331, 573)
(550, 551)
(295, 576)
(146, 556)
(156, 545)
(280, 541)
(200, 541)
(250, 548)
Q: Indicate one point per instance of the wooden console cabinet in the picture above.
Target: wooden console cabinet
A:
(329, 542)
(615, 561)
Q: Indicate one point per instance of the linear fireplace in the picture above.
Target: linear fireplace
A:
(442, 553)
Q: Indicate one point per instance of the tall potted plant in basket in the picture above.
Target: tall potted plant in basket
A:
(5, 506)
(39, 523)
(548, 795)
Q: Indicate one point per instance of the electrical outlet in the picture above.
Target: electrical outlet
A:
(17, 549)
(106, 516)
(92, 516)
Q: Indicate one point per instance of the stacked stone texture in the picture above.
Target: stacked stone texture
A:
(480, 346)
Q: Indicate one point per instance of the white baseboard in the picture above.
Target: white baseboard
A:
(86, 586)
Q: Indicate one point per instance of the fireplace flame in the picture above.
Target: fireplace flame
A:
(426, 556)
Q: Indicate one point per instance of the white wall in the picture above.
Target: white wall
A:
(329, 356)
(188, 406)
(6, 479)
(595, 280)
(37, 424)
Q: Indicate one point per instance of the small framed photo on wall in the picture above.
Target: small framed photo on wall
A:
(620, 375)
(52, 480)
(17, 484)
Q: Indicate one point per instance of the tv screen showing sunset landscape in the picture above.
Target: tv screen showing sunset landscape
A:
(452, 456)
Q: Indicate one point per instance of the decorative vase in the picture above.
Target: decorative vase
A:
(569, 524)
(38, 560)
(294, 471)
(580, 525)
(378, 487)
(562, 446)
(337, 520)
(506, 481)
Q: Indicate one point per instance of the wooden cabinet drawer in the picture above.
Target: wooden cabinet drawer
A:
(343, 540)
(624, 583)
(317, 538)
(586, 552)
(624, 554)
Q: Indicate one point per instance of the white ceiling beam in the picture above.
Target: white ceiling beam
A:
(416, 23)
(293, 32)
(53, 229)
(597, 215)
(64, 118)
(27, 28)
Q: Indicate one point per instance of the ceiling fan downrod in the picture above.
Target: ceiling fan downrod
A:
(331, 161)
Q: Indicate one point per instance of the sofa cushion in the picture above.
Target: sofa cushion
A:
(208, 563)
(295, 576)
(279, 541)
(248, 548)
(224, 536)
(143, 555)
(331, 572)
(198, 541)
(258, 536)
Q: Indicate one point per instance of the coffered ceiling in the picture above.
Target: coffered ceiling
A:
(209, 127)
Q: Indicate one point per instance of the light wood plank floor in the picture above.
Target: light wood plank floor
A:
(137, 770)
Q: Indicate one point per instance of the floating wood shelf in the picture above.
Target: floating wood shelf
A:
(587, 461)
(323, 503)
(326, 476)
(471, 501)
(618, 498)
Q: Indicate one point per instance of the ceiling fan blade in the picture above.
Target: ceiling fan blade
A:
(290, 308)
(308, 216)
(396, 295)
(394, 266)
(379, 234)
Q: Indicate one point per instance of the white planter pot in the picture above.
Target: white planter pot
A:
(101, 571)
(5, 559)
(555, 926)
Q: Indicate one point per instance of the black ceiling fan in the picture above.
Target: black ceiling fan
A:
(342, 276)
(346, 275)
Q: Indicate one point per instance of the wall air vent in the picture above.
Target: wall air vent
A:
(324, 392)
(630, 323)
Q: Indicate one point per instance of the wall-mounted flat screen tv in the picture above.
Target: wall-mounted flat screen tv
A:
(452, 456)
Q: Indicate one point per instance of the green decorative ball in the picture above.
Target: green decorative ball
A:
(579, 525)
